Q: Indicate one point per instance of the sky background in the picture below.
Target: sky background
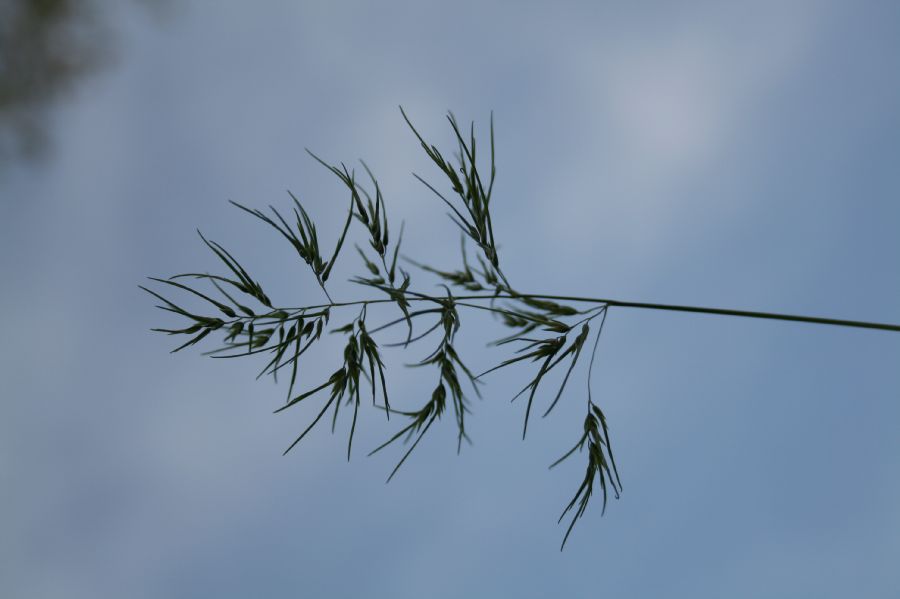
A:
(738, 155)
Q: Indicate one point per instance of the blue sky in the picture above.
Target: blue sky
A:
(710, 153)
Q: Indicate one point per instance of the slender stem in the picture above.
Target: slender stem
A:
(325, 291)
(637, 305)
(500, 272)
(594, 355)
(761, 315)
(601, 309)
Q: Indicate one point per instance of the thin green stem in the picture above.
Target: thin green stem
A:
(325, 291)
(624, 304)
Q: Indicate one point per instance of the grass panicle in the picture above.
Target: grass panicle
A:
(541, 330)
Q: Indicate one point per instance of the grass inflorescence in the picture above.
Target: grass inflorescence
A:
(546, 330)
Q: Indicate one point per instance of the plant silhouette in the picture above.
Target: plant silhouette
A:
(550, 332)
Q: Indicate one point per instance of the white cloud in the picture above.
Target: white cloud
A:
(664, 109)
